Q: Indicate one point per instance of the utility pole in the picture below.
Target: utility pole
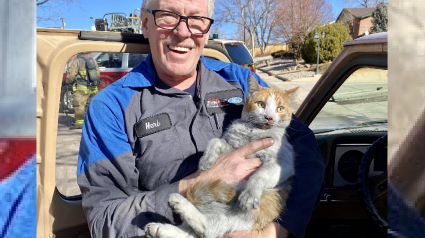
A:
(63, 23)
(316, 36)
(244, 35)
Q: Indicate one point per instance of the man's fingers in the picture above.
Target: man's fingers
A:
(252, 163)
(255, 146)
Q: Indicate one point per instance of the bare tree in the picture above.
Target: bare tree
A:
(254, 16)
(266, 28)
(50, 10)
(41, 2)
(362, 3)
(298, 17)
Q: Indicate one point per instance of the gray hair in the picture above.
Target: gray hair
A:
(147, 4)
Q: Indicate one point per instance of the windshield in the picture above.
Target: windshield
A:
(239, 54)
(360, 102)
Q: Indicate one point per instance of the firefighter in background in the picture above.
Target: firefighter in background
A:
(84, 74)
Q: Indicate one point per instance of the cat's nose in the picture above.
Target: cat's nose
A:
(269, 118)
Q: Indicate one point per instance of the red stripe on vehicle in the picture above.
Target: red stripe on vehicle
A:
(14, 152)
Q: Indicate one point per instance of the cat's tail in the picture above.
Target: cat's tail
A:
(207, 191)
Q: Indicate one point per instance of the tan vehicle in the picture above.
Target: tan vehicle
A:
(236, 50)
(347, 110)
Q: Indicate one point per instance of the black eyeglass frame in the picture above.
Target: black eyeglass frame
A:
(153, 12)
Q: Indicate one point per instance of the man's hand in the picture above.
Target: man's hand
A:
(272, 230)
(234, 166)
(231, 167)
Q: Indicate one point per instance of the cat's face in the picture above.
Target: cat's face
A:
(266, 108)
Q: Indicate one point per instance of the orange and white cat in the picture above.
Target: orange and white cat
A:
(211, 207)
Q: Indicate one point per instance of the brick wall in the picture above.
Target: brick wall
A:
(365, 25)
(360, 26)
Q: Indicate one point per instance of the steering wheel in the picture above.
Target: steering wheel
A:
(373, 190)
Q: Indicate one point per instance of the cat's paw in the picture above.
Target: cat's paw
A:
(205, 164)
(158, 230)
(249, 200)
(153, 230)
(176, 201)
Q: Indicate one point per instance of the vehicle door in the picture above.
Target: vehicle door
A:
(347, 110)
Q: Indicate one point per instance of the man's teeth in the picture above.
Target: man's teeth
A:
(178, 48)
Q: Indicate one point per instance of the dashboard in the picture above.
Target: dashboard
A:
(342, 154)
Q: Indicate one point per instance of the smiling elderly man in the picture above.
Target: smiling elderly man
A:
(127, 170)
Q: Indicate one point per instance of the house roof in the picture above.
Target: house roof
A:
(358, 12)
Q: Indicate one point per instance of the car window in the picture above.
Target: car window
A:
(361, 101)
(110, 60)
(135, 59)
(239, 54)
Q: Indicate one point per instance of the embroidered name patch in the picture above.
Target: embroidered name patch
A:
(230, 101)
(153, 124)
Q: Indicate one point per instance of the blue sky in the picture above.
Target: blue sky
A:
(78, 16)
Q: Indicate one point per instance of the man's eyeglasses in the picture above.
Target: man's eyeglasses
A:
(170, 20)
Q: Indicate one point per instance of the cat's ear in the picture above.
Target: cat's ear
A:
(253, 85)
(292, 91)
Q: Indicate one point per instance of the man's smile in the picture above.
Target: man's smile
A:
(179, 49)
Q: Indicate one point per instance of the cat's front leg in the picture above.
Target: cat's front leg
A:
(159, 230)
(249, 199)
(189, 213)
(216, 148)
(266, 177)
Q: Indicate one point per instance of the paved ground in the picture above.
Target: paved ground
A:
(67, 148)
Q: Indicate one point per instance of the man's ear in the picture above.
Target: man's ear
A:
(144, 17)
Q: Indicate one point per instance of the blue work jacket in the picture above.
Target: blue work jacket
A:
(141, 137)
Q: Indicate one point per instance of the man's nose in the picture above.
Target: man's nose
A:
(182, 29)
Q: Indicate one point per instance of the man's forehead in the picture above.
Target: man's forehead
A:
(182, 6)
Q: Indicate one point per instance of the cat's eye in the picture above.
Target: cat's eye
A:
(261, 104)
(280, 109)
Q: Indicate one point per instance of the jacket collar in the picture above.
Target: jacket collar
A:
(143, 75)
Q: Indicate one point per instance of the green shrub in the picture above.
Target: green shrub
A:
(380, 18)
(330, 46)
(283, 53)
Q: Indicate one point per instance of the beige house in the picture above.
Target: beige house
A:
(359, 20)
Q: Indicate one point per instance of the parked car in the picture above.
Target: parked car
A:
(237, 51)
(357, 136)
